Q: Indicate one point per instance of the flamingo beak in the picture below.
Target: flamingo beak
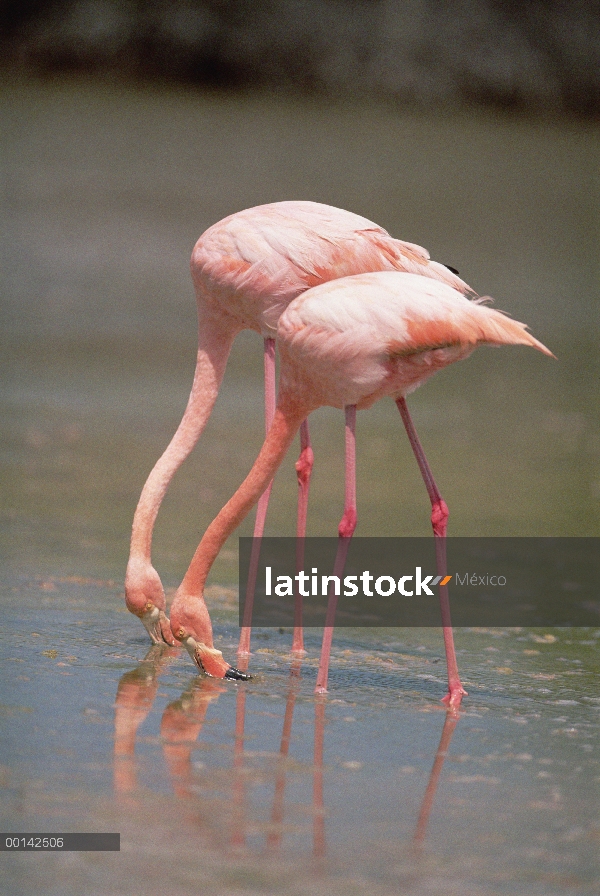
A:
(210, 661)
(156, 623)
(151, 621)
(237, 675)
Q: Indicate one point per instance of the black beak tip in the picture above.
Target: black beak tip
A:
(236, 675)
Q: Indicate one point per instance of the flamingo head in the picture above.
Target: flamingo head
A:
(191, 626)
(145, 598)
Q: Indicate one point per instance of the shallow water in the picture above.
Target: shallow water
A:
(101, 734)
(106, 191)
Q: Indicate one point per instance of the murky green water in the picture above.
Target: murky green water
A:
(105, 192)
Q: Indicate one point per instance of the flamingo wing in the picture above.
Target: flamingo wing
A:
(256, 262)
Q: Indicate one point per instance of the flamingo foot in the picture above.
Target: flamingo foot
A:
(210, 661)
(157, 624)
(454, 696)
(298, 643)
(243, 651)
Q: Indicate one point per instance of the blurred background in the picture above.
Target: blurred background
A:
(128, 128)
(539, 55)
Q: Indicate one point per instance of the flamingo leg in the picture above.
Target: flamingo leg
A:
(259, 527)
(345, 532)
(439, 522)
(263, 503)
(304, 466)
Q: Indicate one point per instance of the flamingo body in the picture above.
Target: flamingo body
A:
(246, 269)
(251, 265)
(347, 343)
(350, 342)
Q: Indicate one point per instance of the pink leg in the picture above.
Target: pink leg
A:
(439, 520)
(263, 503)
(345, 532)
(304, 466)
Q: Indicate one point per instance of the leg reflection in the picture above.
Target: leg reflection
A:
(275, 835)
(450, 723)
(318, 804)
(238, 827)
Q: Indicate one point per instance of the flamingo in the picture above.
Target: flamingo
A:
(246, 269)
(346, 344)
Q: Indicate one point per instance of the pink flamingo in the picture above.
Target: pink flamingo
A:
(346, 344)
(246, 270)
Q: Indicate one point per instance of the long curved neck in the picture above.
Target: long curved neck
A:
(286, 423)
(214, 345)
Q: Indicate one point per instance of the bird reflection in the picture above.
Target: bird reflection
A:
(135, 697)
(181, 728)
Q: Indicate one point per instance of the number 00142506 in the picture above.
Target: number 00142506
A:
(34, 842)
(68, 842)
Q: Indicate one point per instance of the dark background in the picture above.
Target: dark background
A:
(531, 56)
